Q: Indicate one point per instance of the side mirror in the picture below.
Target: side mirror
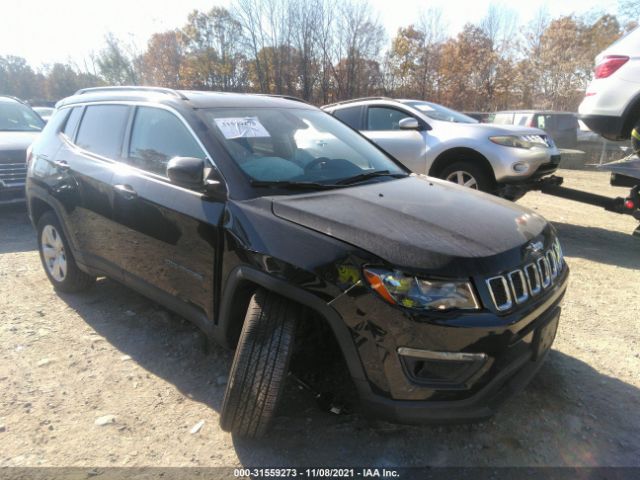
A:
(409, 123)
(186, 171)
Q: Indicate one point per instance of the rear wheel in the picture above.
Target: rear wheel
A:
(260, 365)
(57, 259)
(469, 175)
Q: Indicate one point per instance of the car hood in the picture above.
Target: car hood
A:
(417, 222)
(16, 140)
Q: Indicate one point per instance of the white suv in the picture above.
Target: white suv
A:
(611, 106)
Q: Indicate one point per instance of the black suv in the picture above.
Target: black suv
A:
(19, 126)
(253, 215)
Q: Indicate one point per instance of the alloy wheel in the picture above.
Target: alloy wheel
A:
(54, 254)
(463, 178)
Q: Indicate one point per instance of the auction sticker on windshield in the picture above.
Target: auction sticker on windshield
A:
(241, 127)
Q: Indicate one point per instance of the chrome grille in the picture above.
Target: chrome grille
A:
(500, 294)
(526, 282)
(518, 286)
(13, 173)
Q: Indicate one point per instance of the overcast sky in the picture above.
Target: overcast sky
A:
(48, 31)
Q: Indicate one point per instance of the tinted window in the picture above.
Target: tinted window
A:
(102, 129)
(350, 116)
(72, 122)
(567, 122)
(157, 137)
(383, 118)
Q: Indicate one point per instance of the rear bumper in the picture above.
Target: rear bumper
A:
(608, 126)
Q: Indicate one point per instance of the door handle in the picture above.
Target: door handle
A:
(61, 165)
(125, 191)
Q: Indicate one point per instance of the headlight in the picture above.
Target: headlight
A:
(559, 255)
(521, 141)
(421, 294)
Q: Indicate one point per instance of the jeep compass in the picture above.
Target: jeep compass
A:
(251, 215)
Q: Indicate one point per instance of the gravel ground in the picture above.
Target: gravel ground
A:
(110, 356)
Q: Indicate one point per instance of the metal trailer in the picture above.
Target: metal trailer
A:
(624, 173)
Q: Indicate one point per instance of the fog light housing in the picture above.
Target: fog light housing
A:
(520, 167)
(443, 370)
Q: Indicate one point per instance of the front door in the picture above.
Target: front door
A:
(382, 125)
(167, 235)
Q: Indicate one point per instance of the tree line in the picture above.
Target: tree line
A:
(330, 50)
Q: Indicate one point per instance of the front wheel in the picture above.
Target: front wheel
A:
(467, 174)
(260, 365)
(57, 259)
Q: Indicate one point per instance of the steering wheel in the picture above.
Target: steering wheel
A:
(313, 164)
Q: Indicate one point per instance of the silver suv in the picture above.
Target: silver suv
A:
(434, 140)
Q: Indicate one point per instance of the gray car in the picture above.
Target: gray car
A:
(435, 140)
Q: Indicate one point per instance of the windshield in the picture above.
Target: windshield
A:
(438, 112)
(297, 145)
(15, 117)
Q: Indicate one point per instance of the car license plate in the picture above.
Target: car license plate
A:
(545, 335)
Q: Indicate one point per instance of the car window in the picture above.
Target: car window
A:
(503, 118)
(522, 119)
(72, 122)
(350, 116)
(16, 117)
(384, 118)
(102, 129)
(567, 122)
(294, 145)
(542, 122)
(158, 136)
(438, 112)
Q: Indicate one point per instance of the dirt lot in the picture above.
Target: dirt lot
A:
(69, 360)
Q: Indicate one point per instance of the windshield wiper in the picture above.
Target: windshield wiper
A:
(289, 185)
(367, 175)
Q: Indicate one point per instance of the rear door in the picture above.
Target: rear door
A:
(92, 142)
(382, 125)
(167, 236)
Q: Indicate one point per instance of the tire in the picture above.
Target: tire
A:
(260, 365)
(57, 259)
(467, 171)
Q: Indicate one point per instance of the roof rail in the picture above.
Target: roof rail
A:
(353, 100)
(286, 97)
(124, 88)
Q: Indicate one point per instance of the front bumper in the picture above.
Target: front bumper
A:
(540, 162)
(12, 193)
(513, 345)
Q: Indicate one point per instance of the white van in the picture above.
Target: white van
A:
(611, 106)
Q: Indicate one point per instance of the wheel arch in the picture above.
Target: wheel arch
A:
(457, 154)
(630, 117)
(239, 287)
(37, 208)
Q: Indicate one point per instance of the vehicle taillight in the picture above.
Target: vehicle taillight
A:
(609, 65)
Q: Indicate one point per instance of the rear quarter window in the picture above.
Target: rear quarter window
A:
(102, 129)
(350, 116)
(72, 121)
